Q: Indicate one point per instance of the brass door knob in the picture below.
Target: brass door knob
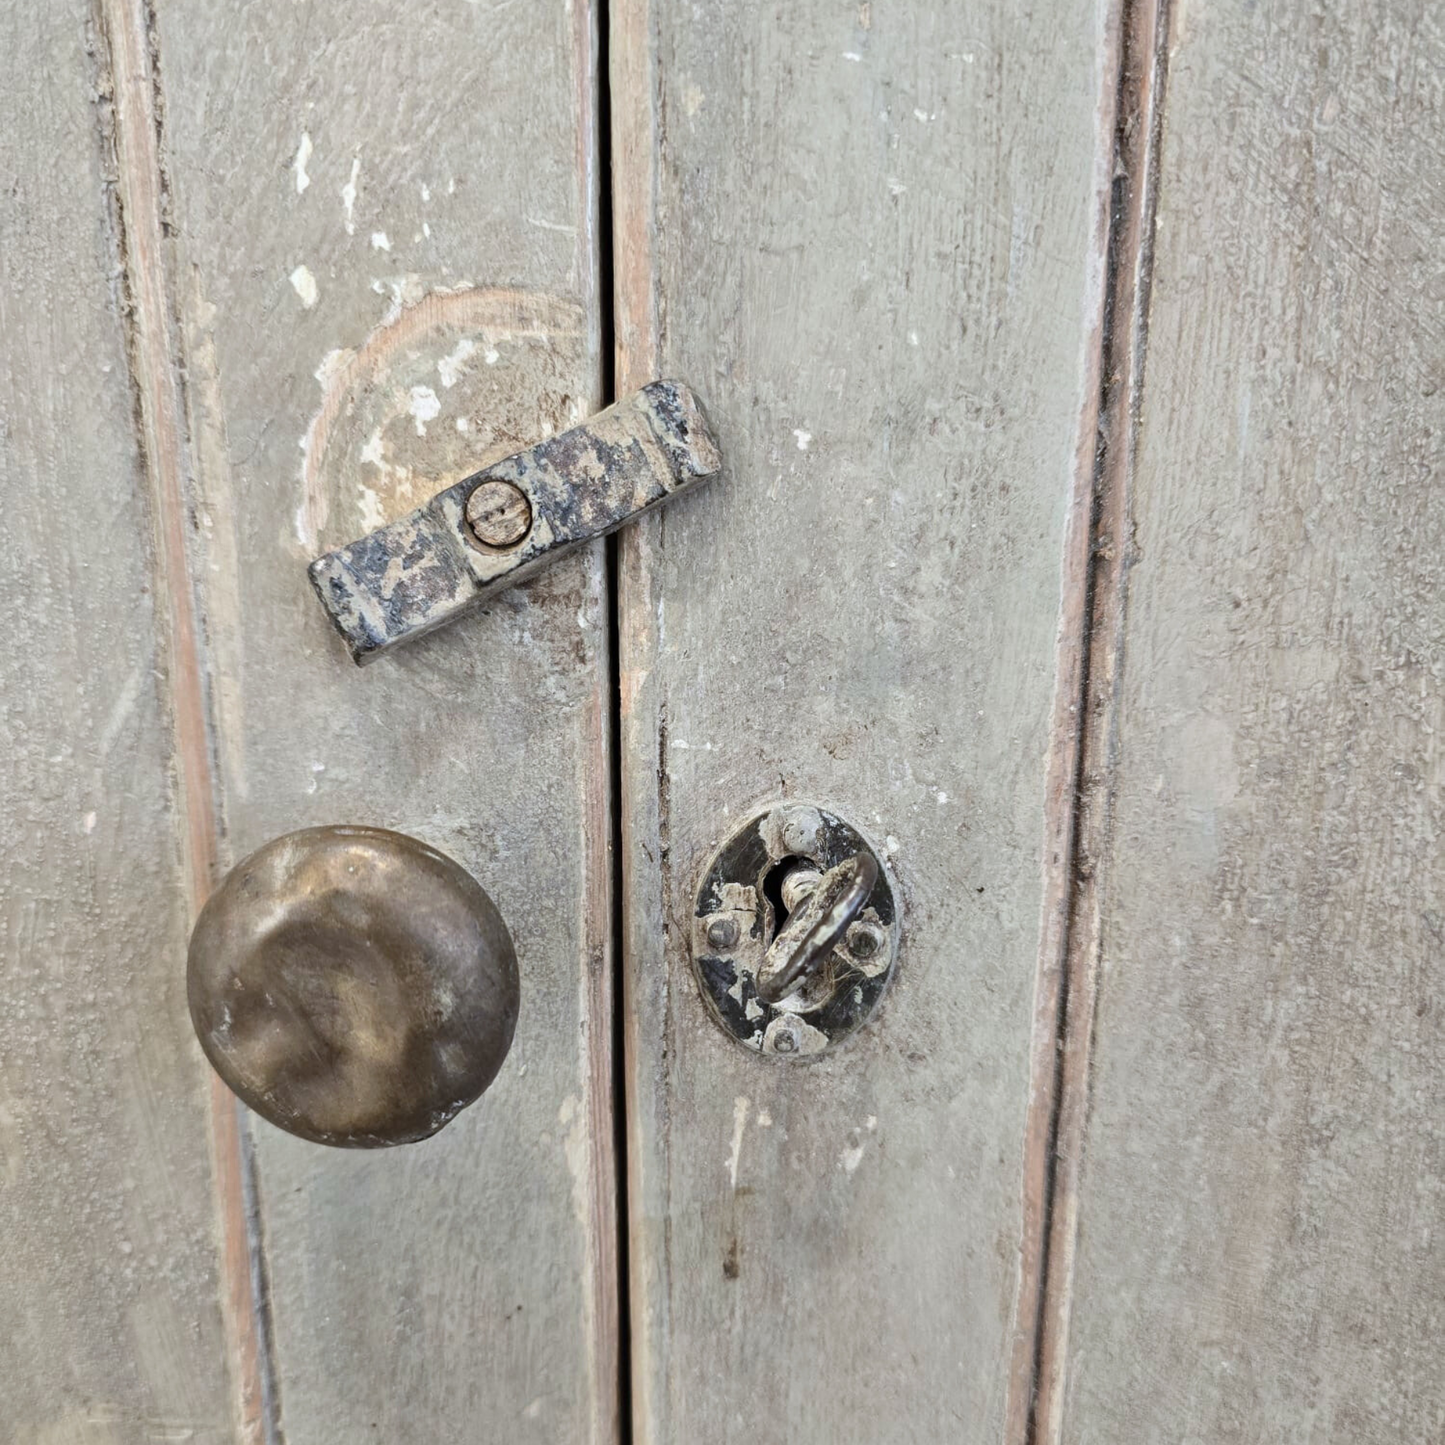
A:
(353, 986)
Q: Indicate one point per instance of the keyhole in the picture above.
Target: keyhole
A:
(773, 881)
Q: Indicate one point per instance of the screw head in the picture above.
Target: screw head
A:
(499, 513)
(722, 933)
(784, 1042)
(865, 940)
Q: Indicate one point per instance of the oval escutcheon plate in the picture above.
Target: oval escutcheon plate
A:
(760, 877)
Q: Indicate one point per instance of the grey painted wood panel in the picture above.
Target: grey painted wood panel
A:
(110, 1317)
(385, 269)
(868, 236)
(1259, 1252)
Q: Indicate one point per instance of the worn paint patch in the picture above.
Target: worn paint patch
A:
(348, 196)
(304, 284)
(740, 1124)
(424, 406)
(451, 367)
(366, 413)
(298, 166)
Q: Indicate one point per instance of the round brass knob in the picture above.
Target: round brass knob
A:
(353, 985)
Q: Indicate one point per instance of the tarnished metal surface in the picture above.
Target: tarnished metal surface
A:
(353, 986)
(816, 925)
(405, 579)
(834, 952)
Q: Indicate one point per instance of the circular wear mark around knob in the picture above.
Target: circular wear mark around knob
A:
(793, 859)
(353, 986)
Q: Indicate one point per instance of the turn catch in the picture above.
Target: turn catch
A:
(499, 526)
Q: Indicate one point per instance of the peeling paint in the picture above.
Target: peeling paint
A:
(425, 406)
(356, 396)
(740, 1123)
(304, 284)
(348, 195)
(450, 367)
(298, 166)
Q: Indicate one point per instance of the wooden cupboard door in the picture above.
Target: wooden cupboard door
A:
(872, 236)
(111, 1323)
(274, 275)
(1257, 1162)
(1132, 671)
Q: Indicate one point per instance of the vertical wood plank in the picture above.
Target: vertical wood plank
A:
(111, 1323)
(871, 237)
(384, 264)
(1263, 1164)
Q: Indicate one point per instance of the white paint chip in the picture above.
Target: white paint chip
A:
(348, 196)
(913, 338)
(373, 450)
(464, 423)
(765, 1119)
(451, 366)
(424, 407)
(303, 154)
(380, 241)
(425, 191)
(851, 1158)
(305, 286)
(88, 822)
(852, 55)
(373, 515)
(740, 1122)
(804, 438)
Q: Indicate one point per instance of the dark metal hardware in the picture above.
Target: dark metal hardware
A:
(817, 927)
(499, 526)
(797, 986)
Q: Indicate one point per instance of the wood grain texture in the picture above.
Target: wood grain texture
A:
(1264, 1168)
(111, 1325)
(155, 363)
(384, 264)
(870, 237)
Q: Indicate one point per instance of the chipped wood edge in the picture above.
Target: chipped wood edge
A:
(641, 798)
(601, 796)
(1096, 608)
(127, 33)
(1061, 785)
